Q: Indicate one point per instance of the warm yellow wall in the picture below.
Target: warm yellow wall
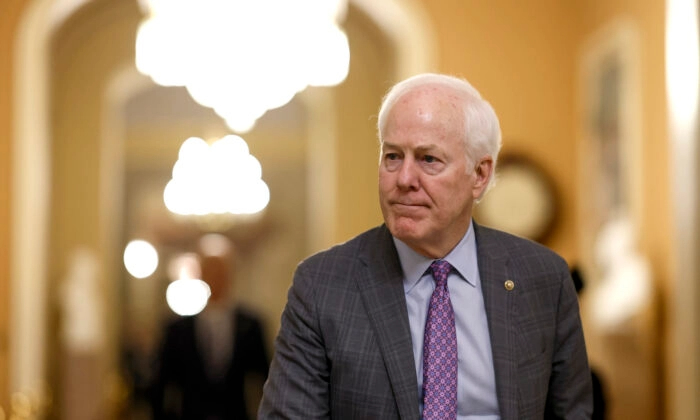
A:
(81, 68)
(520, 55)
(357, 102)
(524, 66)
(9, 16)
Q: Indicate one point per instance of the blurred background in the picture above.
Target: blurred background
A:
(598, 106)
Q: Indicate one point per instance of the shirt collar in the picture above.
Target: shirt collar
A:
(462, 258)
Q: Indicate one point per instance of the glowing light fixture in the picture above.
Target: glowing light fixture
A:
(221, 178)
(140, 258)
(187, 296)
(243, 57)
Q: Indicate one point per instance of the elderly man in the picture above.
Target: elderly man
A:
(431, 315)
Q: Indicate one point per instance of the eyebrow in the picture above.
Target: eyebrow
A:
(424, 148)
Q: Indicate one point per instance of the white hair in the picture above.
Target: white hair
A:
(482, 131)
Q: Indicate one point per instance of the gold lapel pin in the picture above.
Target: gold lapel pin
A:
(509, 285)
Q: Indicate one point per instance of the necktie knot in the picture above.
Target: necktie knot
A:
(440, 269)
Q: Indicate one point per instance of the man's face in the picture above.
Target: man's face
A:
(426, 187)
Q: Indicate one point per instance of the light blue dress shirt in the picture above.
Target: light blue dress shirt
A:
(476, 381)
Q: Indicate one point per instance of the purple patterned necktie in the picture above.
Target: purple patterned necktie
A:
(440, 350)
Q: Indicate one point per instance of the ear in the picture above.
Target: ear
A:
(483, 171)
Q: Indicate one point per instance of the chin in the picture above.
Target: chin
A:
(408, 231)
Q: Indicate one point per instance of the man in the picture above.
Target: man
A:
(211, 363)
(431, 315)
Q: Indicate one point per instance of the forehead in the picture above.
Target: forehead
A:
(432, 111)
(430, 105)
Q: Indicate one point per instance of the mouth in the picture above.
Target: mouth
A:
(407, 205)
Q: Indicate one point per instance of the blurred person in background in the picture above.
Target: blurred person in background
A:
(212, 365)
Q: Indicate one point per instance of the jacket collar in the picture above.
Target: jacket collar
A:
(383, 296)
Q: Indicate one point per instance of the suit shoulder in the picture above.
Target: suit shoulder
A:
(518, 248)
(336, 266)
(346, 250)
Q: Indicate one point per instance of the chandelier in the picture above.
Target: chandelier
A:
(243, 57)
(221, 178)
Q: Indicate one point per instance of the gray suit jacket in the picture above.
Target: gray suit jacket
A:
(344, 347)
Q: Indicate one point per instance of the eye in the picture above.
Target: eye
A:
(392, 161)
(432, 164)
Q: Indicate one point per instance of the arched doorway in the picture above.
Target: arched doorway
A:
(33, 271)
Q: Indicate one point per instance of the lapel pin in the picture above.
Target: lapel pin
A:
(509, 285)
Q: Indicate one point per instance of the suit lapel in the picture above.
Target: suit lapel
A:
(500, 304)
(383, 296)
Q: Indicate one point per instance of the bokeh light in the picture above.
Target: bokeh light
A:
(140, 258)
(187, 296)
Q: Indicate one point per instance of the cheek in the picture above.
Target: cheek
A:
(385, 182)
(452, 196)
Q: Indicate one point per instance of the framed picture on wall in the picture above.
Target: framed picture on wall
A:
(618, 307)
(610, 148)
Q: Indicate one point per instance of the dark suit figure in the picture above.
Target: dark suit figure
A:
(209, 360)
(351, 343)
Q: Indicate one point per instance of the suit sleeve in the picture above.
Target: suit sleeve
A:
(298, 383)
(570, 389)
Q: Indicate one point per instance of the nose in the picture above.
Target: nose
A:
(408, 175)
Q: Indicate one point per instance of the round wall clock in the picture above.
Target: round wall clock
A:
(522, 201)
